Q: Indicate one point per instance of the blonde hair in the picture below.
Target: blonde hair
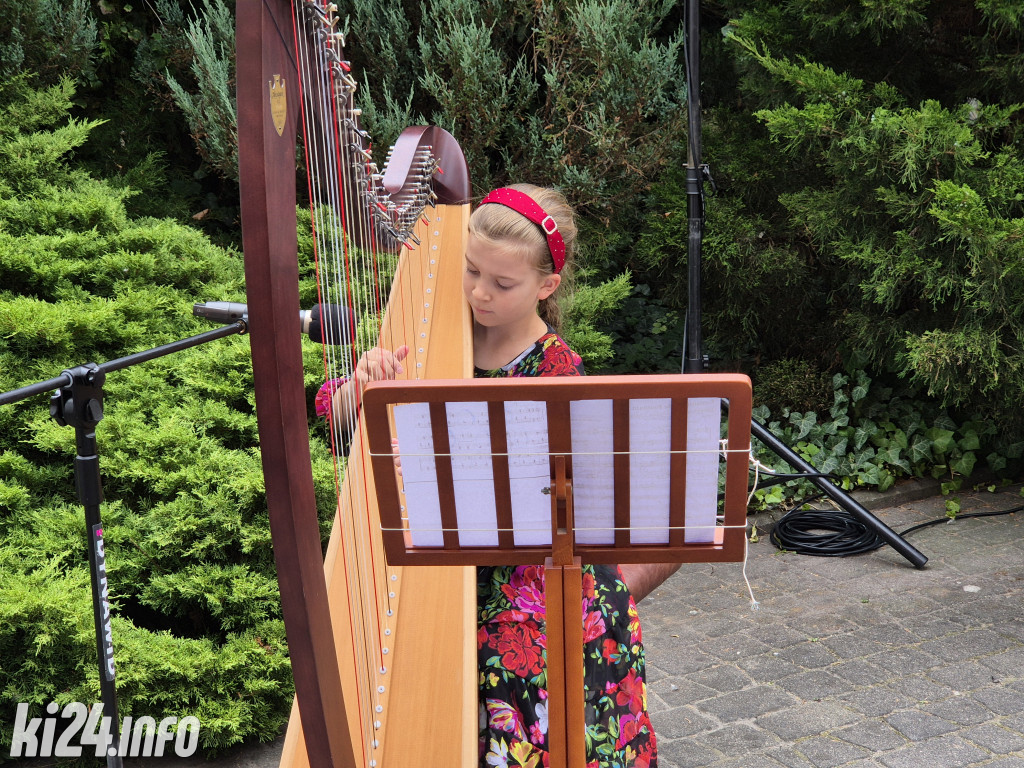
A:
(494, 224)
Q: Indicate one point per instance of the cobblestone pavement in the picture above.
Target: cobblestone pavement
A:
(859, 662)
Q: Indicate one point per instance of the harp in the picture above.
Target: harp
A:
(374, 650)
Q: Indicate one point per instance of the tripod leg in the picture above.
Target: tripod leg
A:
(839, 496)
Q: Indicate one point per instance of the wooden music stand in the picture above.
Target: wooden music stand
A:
(436, 413)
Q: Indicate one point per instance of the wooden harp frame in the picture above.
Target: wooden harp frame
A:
(329, 730)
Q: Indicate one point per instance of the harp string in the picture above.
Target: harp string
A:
(326, 100)
(360, 236)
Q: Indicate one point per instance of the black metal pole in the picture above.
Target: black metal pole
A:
(694, 361)
(79, 404)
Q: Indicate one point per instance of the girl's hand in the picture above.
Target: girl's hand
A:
(379, 363)
(398, 456)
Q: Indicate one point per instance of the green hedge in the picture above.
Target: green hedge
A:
(197, 623)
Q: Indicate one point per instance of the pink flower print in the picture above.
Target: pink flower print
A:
(593, 626)
(525, 589)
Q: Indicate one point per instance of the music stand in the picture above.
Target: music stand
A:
(474, 451)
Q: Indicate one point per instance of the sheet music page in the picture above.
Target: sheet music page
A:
(650, 441)
(529, 467)
(473, 473)
(419, 474)
(593, 485)
(703, 428)
(469, 436)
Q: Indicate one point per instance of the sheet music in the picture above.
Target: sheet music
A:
(529, 470)
(469, 436)
(650, 436)
(526, 427)
(593, 470)
(703, 429)
(419, 474)
(473, 473)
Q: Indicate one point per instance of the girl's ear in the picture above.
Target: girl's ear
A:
(548, 286)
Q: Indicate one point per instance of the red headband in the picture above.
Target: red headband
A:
(522, 203)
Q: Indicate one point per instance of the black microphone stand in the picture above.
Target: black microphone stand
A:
(694, 360)
(78, 403)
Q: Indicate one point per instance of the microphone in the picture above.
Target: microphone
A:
(328, 324)
(324, 323)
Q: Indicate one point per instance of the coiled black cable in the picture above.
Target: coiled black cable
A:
(800, 530)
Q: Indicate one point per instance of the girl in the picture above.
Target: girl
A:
(520, 240)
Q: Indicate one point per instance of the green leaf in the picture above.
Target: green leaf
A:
(920, 449)
(970, 441)
(996, 462)
(803, 422)
(942, 439)
(963, 465)
(950, 486)
(952, 507)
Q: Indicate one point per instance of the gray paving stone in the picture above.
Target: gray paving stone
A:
(961, 710)
(996, 739)
(861, 672)
(918, 726)
(738, 740)
(748, 703)
(1007, 762)
(969, 645)
(965, 676)
(789, 756)
(876, 702)
(825, 752)
(1002, 701)
(679, 691)
(805, 720)
(850, 646)
(768, 667)
(904, 661)
(810, 655)
(814, 685)
(921, 689)
(749, 761)
(681, 722)
(1010, 662)
(685, 753)
(873, 735)
(946, 751)
(721, 678)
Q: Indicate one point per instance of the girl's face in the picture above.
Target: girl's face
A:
(501, 285)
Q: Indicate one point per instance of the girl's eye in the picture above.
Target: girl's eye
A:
(473, 272)
(505, 287)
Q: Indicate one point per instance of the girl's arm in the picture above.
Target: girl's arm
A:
(644, 578)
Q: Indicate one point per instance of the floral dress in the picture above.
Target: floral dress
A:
(511, 642)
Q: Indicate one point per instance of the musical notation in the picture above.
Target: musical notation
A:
(528, 456)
